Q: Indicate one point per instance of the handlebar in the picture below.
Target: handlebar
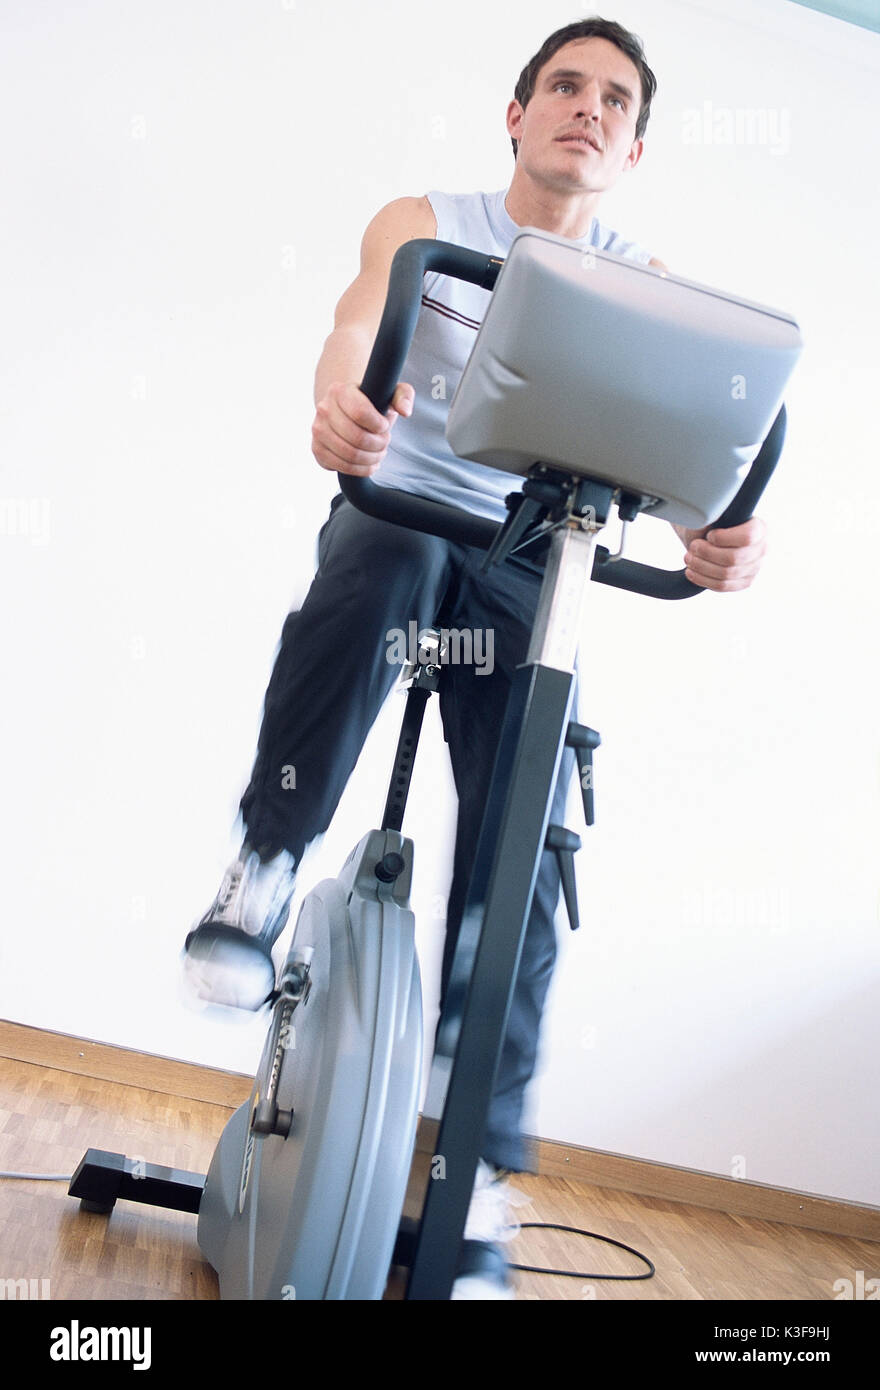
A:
(403, 302)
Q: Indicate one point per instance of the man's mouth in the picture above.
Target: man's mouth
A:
(578, 140)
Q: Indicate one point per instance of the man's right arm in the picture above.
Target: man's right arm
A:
(349, 435)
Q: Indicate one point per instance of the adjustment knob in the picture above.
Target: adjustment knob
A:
(390, 867)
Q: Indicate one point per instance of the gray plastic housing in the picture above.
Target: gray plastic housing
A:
(315, 1215)
(623, 373)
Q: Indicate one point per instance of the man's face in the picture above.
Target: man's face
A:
(578, 131)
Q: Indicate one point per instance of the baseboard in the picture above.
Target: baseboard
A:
(107, 1062)
(737, 1197)
(644, 1177)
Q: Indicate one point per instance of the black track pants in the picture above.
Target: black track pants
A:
(330, 679)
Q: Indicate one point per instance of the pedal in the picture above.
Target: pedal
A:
(293, 989)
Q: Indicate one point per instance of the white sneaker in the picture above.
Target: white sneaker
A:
(483, 1271)
(228, 956)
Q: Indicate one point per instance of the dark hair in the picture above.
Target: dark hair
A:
(628, 43)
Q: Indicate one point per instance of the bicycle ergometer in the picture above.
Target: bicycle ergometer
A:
(605, 385)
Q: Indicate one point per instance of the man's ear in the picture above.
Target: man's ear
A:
(515, 115)
(634, 155)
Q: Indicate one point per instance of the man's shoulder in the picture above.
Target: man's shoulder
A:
(606, 239)
(403, 219)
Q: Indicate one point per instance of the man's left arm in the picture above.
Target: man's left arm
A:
(724, 560)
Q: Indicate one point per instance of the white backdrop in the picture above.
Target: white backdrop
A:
(185, 190)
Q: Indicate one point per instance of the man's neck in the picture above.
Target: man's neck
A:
(564, 214)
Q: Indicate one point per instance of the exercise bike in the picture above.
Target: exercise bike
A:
(622, 394)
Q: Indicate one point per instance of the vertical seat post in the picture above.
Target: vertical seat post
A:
(423, 674)
(513, 836)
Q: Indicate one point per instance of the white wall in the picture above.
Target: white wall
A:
(185, 189)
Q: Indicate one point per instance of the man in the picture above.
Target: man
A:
(576, 122)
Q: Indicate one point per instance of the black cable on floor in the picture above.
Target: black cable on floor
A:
(40, 1177)
(574, 1274)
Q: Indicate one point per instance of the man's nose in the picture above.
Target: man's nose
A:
(590, 101)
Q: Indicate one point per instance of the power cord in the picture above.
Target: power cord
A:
(575, 1274)
(40, 1177)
